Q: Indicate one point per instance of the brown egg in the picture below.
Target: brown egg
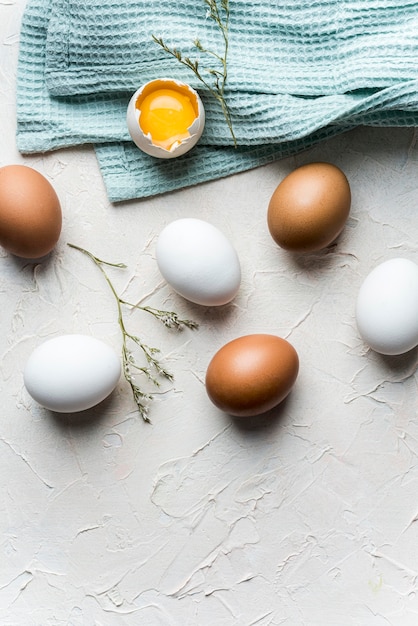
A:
(309, 208)
(252, 374)
(30, 212)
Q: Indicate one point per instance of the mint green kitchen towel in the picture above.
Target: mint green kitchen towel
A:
(299, 71)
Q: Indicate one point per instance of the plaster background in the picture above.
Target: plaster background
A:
(306, 516)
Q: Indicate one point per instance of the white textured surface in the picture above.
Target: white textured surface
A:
(305, 517)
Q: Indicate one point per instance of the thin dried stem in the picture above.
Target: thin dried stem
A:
(220, 15)
(153, 368)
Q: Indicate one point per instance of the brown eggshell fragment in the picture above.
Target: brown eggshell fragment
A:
(252, 374)
(30, 212)
(309, 208)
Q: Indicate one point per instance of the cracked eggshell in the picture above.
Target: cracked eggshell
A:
(144, 141)
(71, 373)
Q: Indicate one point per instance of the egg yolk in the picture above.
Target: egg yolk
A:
(166, 114)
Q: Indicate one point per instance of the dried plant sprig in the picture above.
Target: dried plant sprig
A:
(153, 368)
(220, 15)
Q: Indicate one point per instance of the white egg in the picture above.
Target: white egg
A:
(198, 261)
(71, 373)
(146, 139)
(387, 307)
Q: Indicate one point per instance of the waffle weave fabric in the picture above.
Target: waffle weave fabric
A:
(299, 71)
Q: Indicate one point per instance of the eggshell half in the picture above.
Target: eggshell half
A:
(252, 374)
(71, 373)
(143, 141)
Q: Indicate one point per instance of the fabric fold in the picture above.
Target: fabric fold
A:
(309, 71)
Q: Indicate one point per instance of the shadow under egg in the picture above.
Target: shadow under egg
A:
(87, 419)
(268, 421)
